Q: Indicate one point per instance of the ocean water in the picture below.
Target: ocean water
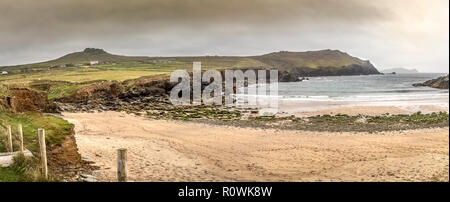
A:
(361, 88)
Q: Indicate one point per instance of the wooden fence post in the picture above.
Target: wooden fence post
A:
(19, 127)
(122, 165)
(10, 144)
(41, 135)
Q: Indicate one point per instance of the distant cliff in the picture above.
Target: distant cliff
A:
(441, 82)
(318, 63)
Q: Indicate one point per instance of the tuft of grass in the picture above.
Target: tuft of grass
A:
(23, 169)
(8, 175)
(4, 91)
(3, 140)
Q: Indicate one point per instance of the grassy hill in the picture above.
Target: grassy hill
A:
(72, 59)
(280, 60)
(90, 54)
(310, 59)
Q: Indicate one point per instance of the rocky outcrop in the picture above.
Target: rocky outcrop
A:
(288, 77)
(441, 82)
(101, 90)
(146, 87)
(25, 100)
(130, 95)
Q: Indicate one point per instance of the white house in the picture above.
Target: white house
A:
(4, 73)
(94, 62)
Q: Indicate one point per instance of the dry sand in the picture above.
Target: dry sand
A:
(181, 151)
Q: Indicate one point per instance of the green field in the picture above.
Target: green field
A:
(55, 129)
(67, 81)
(82, 74)
(26, 169)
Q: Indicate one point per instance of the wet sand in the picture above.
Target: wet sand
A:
(182, 151)
(372, 108)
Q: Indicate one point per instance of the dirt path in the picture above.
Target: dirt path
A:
(180, 151)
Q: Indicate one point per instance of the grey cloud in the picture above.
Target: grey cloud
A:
(50, 16)
(32, 30)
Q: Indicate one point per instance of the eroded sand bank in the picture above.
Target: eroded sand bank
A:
(181, 151)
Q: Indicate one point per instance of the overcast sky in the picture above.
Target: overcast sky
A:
(389, 33)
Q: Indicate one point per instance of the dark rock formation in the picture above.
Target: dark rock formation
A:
(288, 77)
(441, 82)
(94, 51)
(400, 71)
(296, 74)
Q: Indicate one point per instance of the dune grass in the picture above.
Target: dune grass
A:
(23, 169)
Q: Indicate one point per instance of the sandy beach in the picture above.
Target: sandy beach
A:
(182, 151)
